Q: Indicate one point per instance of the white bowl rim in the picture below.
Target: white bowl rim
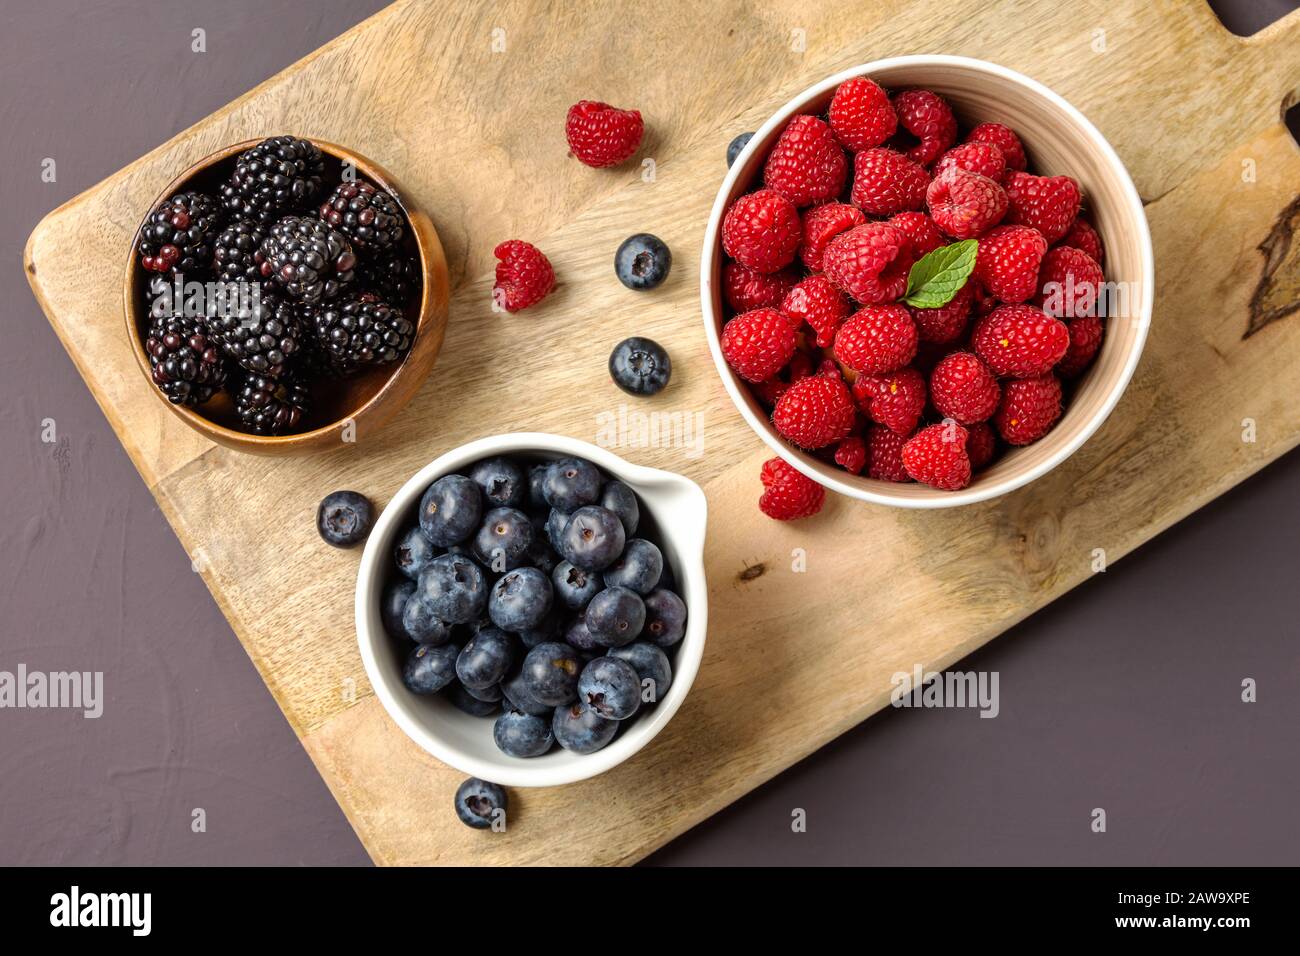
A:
(513, 771)
(972, 494)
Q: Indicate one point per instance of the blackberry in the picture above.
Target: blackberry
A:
(178, 235)
(261, 339)
(363, 331)
(187, 365)
(276, 176)
(394, 276)
(233, 251)
(368, 216)
(310, 260)
(270, 406)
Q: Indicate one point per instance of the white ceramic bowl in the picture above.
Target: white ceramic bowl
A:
(679, 513)
(1059, 141)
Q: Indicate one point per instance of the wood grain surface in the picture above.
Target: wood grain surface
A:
(463, 103)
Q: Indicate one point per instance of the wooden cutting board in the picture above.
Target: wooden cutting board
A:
(464, 103)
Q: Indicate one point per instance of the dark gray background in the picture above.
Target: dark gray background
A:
(1122, 695)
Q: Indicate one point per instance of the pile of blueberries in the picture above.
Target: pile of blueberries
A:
(529, 598)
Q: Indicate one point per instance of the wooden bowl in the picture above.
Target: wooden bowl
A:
(356, 406)
(1059, 141)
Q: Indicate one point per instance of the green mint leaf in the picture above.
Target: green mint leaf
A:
(939, 275)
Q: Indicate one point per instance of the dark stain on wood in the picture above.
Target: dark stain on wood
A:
(1278, 293)
(752, 572)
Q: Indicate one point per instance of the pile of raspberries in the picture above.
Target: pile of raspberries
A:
(818, 260)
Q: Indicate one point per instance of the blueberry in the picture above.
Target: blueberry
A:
(555, 522)
(574, 586)
(571, 483)
(550, 674)
(393, 603)
(480, 804)
(610, 687)
(485, 659)
(546, 630)
(429, 668)
(421, 624)
(615, 616)
(579, 728)
(520, 600)
(665, 617)
(536, 478)
(640, 366)
(344, 518)
(642, 261)
(450, 510)
(540, 553)
(621, 500)
(413, 552)
(501, 481)
(518, 697)
(578, 637)
(639, 567)
(455, 588)
(651, 666)
(736, 145)
(464, 700)
(668, 580)
(503, 539)
(519, 734)
(491, 694)
(593, 538)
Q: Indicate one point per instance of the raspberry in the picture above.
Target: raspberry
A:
(789, 494)
(928, 117)
(962, 388)
(965, 205)
(1008, 260)
(815, 411)
(895, 399)
(761, 230)
(870, 262)
(1068, 283)
(851, 454)
(885, 455)
(806, 164)
(816, 301)
(823, 223)
(1020, 341)
(1029, 409)
(937, 456)
(524, 275)
(745, 289)
(981, 446)
(922, 235)
(861, 114)
(1048, 203)
(886, 182)
(946, 323)
(982, 300)
(1085, 340)
(877, 338)
(758, 344)
(601, 135)
(1083, 236)
(983, 158)
(1004, 139)
(770, 390)
(801, 366)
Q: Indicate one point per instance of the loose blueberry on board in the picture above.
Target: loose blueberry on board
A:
(615, 616)
(463, 699)
(665, 617)
(501, 481)
(455, 588)
(573, 586)
(516, 694)
(577, 636)
(413, 552)
(479, 804)
(520, 734)
(593, 538)
(579, 728)
(640, 366)
(422, 624)
(344, 518)
(430, 668)
(503, 540)
(639, 567)
(450, 510)
(571, 483)
(651, 666)
(550, 673)
(393, 603)
(485, 659)
(610, 687)
(621, 500)
(736, 145)
(642, 261)
(520, 600)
